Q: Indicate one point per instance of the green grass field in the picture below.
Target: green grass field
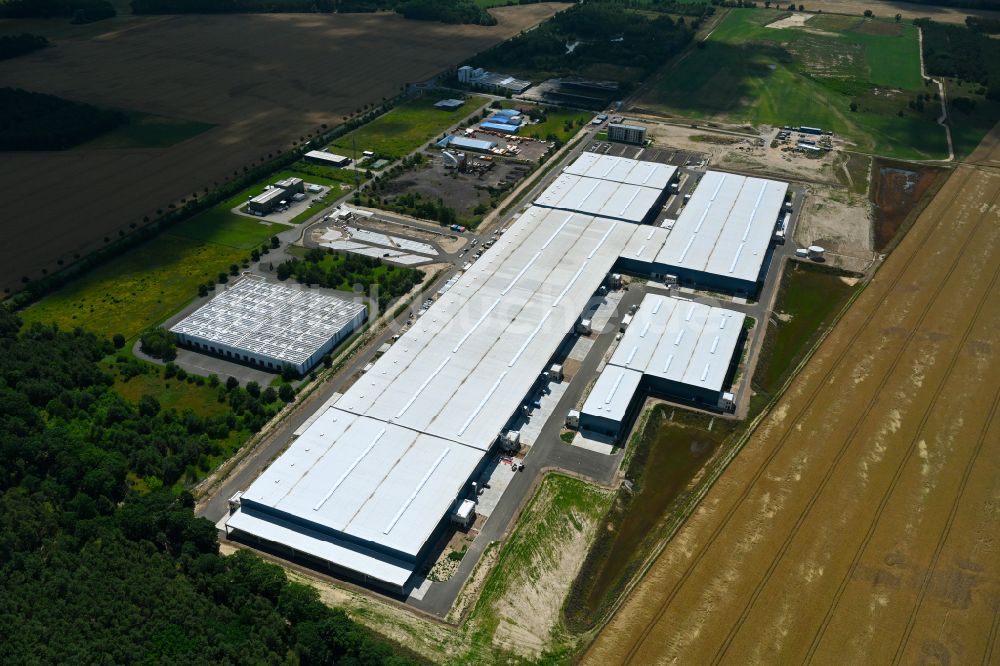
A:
(405, 128)
(809, 298)
(137, 290)
(747, 72)
(562, 123)
(145, 130)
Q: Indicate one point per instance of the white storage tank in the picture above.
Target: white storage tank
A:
(816, 252)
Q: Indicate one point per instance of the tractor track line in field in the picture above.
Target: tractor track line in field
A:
(832, 467)
(668, 600)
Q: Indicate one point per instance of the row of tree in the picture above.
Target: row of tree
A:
(36, 121)
(446, 11)
(12, 46)
(81, 11)
(92, 571)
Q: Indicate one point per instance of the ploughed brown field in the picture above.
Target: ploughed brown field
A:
(861, 523)
(264, 80)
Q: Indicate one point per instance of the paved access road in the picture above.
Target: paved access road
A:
(860, 523)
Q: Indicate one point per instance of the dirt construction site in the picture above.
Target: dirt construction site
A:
(263, 80)
(861, 521)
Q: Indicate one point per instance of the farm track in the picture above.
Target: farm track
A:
(855, 503)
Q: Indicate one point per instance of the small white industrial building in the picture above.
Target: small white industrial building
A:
(327, 159)
(678, 349)
(269, 325)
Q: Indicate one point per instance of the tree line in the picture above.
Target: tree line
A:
(445, 11)
(36, 121)
(12, 46)
(958, 52)
(603, 33)
(81, 11)
(94, 571)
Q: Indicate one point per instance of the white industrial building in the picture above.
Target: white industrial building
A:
(327, 159)
(368, 487)
(678, 349)
(269, 325)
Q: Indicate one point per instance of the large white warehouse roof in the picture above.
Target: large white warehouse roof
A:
(373, 481)
(272, 320)
(622, 170)
(449, 384)
(682, 341)
(604, 198)
(726, 227)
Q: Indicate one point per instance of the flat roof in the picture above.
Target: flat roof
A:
(267, 195)
(726, 227)
(622, 170)
(471, 144)
(329, 157)
(612, 393)
(604, 198)
(374, 481)
(681, 341)
(464, 367)
(269, 319)
(500, 127)
(324, 546)
(449, 103)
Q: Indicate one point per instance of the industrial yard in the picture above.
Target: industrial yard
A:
(599, 333)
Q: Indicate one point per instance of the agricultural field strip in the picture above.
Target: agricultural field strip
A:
(762, 469)
(861, 420)
(911, 448)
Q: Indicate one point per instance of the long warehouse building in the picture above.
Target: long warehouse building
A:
(367, 488)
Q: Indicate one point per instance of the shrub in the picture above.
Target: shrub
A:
(159, 343)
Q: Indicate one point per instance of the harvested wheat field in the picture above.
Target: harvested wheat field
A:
(263, 80)
(861, 523)
(907, 10)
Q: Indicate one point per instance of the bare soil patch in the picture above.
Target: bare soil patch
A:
(265, 80)
(792, 21)
(897, 189)
(840, 222)
(907, 10)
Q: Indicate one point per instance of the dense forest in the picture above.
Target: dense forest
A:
(446, 11)
(81, 11)
(603, 34)
(343, 270)
(92, 571)
(12, 46)
(35, 121)
(961, 53)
